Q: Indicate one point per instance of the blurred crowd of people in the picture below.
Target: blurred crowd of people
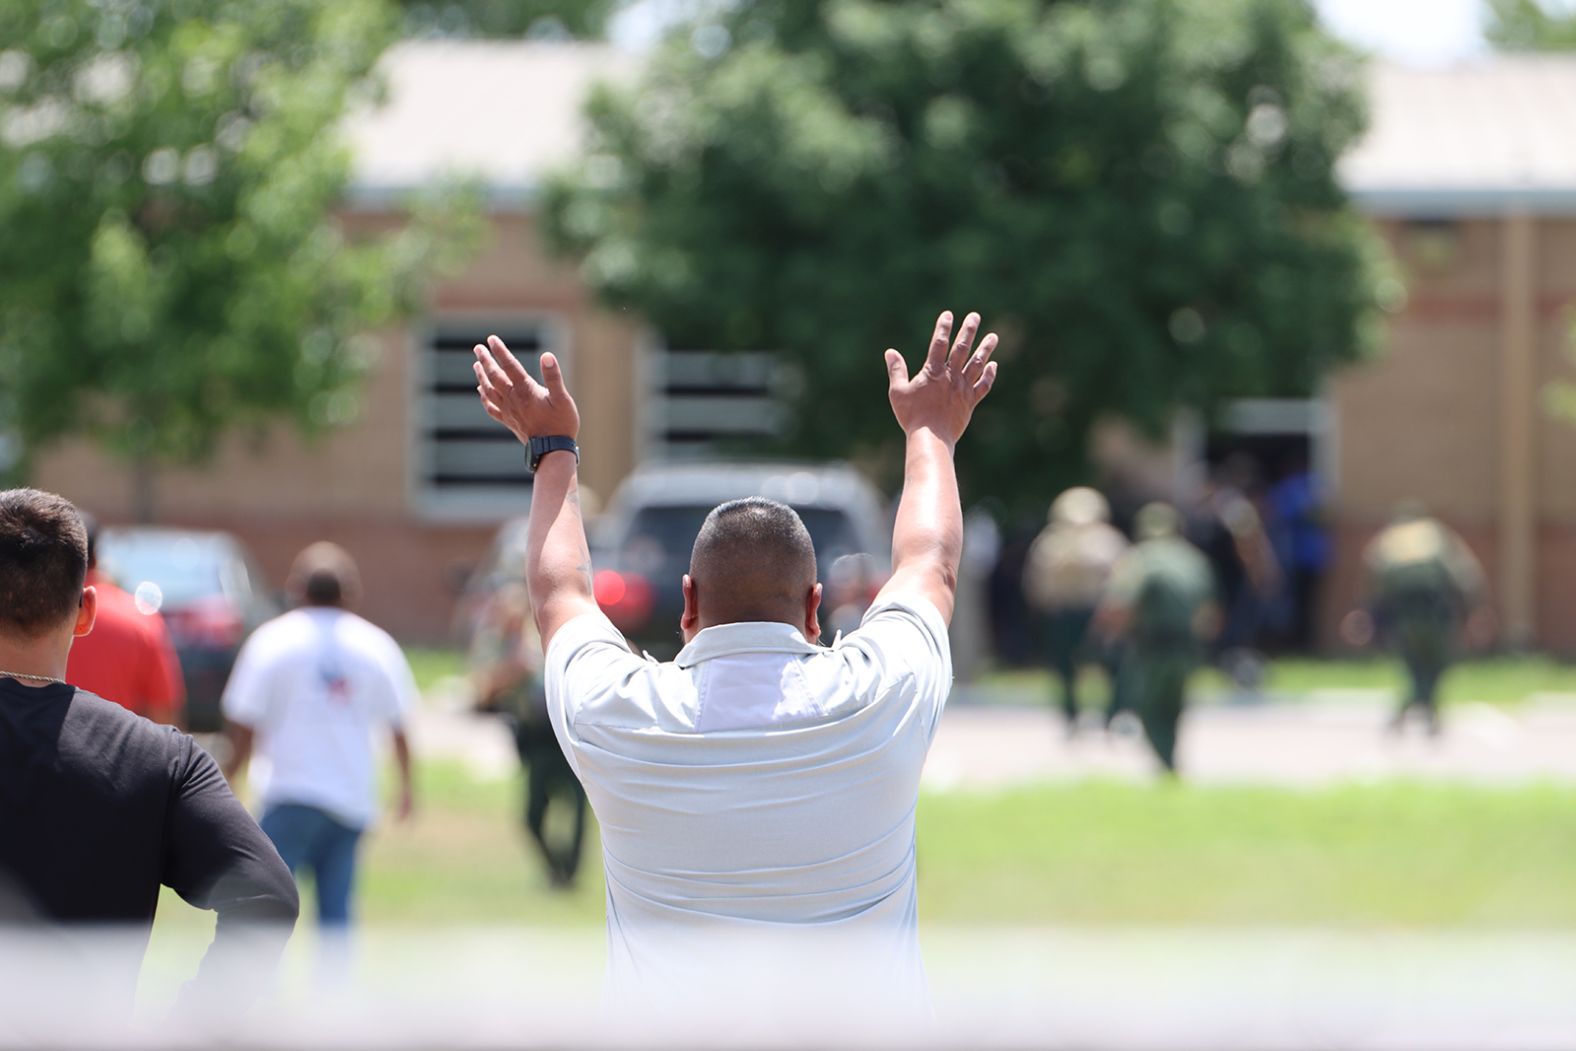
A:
(1225, 581)
(1145, 610)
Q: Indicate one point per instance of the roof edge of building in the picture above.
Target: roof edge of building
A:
(509, 198)
(1463, 201)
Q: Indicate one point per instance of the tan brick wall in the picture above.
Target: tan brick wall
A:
(1420, 422)
(1556, 587)
(1557, 355)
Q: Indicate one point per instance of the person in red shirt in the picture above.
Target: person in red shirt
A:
(128, 657)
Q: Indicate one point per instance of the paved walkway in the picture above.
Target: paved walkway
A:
(1294, 743)
(1303, 743)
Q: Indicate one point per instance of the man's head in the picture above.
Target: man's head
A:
(43, 563)
(324, 575)
(752, 561)
(1078, 507)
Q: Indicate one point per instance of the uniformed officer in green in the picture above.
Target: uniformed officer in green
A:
(1066, 575)
(1161, 604)
(506, 674)
(1424, 586)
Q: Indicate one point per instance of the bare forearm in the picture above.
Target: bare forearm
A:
(402, 760)
(558, 560)
(933, 407)
(927, 540)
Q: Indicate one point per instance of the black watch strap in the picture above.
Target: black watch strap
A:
(540, 447)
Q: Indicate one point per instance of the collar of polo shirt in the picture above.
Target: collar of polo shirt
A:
(725, 640)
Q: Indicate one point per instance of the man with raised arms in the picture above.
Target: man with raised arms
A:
(758, 790)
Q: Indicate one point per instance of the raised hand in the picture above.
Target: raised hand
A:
(510, 396)
(952, 382)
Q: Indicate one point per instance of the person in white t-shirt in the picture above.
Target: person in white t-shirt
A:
(308, 690)
(757, 793)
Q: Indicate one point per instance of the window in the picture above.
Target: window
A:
(466, 464)
(702, 404)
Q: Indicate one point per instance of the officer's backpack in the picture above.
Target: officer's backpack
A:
(1412, 570)
(1169, 601)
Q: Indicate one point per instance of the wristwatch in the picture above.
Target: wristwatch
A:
(540, 447)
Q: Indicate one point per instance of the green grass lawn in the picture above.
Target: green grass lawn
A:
(1495, 680)
(1406, 856)
(432, 664)
(1372, 856)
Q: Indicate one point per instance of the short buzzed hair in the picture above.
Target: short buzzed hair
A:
(43, 561)
(753, 560)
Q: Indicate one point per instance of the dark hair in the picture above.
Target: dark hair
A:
(43, 561)
(90, 525)
(322, 588)
(324, 575)
(753, 560)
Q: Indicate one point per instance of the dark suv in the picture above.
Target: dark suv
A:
(641, 546)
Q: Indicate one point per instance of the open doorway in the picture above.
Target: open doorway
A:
(1278, 454)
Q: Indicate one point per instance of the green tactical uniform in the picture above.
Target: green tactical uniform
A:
(1166, 589)
(1064, 579)
(500, 642)
(1423, 583)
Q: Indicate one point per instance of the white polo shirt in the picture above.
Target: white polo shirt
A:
(757, 783)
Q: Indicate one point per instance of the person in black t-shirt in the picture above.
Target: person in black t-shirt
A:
(99, 807)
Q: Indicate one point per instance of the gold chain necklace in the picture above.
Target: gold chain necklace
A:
(31, 678)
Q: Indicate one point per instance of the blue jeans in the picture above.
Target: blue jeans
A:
(307, 837)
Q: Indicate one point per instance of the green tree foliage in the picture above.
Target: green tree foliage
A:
(171, 266)
(576, 19)
(1531, 25)
(1140, 195)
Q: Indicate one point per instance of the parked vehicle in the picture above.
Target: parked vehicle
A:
(642, 544)
(210, 593)
(476, 602)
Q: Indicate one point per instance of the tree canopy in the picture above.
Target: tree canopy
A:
(1139, 195)
(172, 266)
(1531, 25)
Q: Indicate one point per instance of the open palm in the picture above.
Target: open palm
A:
(944, 393)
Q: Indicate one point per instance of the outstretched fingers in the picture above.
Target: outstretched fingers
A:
(487, 390)
(965, 341)
(986, 381)
(978, 360)
(936, 358)
(489, 370)
(508, 362)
